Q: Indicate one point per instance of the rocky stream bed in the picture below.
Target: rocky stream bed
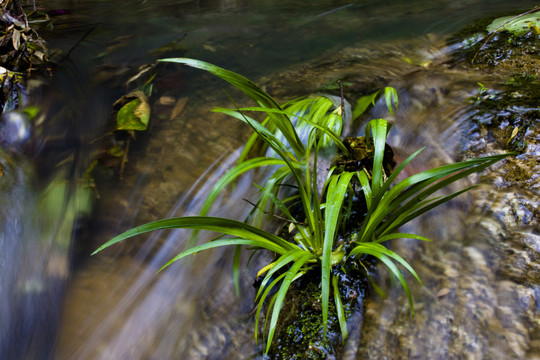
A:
(481, 273)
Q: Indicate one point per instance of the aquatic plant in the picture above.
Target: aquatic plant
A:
(314, 227)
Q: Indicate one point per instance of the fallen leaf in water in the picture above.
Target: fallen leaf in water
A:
(166, 100)
(40, 55)
(209, 47)
(134, 113)
(145, 75)
(443, 292)
(178, 107)
(16, 38)
(514, 133)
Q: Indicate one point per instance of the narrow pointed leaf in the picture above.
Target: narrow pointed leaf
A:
(336, 193)
(226, 242)
(252, 90)
(276, 309)
(400, 236)
(261, 301)
(225, 226)
(233, 174)
(339, 309)
(364, 249)
(282, 261)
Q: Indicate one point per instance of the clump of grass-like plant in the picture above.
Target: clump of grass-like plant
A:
(294, 157)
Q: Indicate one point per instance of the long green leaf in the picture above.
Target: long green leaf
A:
(386, 185)
(326, 130)
(317, 212)
(369, 249)
(233, 174)
(282, 261)
(407, 188)
(443, 171)
(378, 128)
(374, 206)
(363, 103)
(262, 131)
(391, 98)
(252, 90)
(366, 187)
(336, 193)
(236, 268)
(261, 301)
(456, 171)
(400, 236)
(380, 248)
(409, 215)
(289, 278)
(339, 309)
(221, 225)
(226, 242)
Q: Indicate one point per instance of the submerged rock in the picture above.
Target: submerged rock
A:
(15, 129)
(482, 272)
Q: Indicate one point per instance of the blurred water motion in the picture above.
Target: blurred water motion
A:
(115, 306)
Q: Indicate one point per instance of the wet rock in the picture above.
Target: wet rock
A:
(482, 281)
(15, 129)
(480, 272)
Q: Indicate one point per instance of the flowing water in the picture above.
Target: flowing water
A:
(62, 304)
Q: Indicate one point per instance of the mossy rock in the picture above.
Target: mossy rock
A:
(300, 334)
(520, 25)
(507, 49)
(507, 117)
(508, 121)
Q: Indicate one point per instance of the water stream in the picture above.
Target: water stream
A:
(62, 304)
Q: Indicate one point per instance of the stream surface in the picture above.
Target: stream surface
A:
(60, 303)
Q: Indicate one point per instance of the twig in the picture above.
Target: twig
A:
(342, 98)
(76, 45)
(274, 215)
(124, 159)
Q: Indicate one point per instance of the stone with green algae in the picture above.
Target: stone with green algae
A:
(517, 25)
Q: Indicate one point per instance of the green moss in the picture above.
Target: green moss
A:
(300, 335)
(519, 25)
(507, 117)
(508, 121)
(507, 50)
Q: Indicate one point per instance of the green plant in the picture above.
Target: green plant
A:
(312, 244)
(390, 97)
(482, 89)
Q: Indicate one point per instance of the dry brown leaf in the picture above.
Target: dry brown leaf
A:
(443, 292)
(16, 38)
(180, 104)
(166, 100)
